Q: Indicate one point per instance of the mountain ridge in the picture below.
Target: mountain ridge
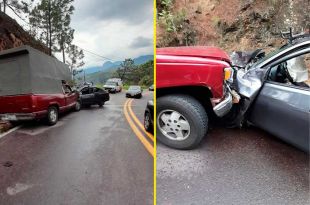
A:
(109, 65)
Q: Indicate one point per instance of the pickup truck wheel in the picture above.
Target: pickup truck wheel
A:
(77, 106)
(52, 115)
(182, 122)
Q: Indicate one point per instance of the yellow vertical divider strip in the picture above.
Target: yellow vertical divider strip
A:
(155, 154)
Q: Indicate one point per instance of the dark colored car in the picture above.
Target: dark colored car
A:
(134, 91)
(93, 96)
(151, 88)
(275, 93)
(149, 117)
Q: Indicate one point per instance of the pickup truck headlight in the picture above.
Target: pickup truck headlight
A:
(228, 74)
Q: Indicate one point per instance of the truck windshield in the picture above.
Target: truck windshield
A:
(134, 88)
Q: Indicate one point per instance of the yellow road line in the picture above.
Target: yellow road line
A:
(140, 136)
(132, 114)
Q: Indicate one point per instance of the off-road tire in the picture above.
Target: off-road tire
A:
(193, 111)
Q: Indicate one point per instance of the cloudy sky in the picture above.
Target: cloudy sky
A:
(116, 29)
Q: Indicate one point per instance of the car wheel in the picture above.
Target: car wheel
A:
(100, 104)
(52, 115)
(77, 106)
(148, 122)
(182, 121)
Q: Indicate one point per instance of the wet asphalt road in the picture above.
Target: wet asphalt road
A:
(88, 157)
(233, 166)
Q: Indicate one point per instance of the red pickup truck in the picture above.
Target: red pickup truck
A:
(192, 86)
(32, 86)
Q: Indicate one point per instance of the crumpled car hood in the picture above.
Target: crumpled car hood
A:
(240, 58)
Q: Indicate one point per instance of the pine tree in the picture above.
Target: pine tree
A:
(18, 7)
(53, 18)
(75, 58)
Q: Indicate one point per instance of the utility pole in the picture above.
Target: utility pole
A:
(63, 52)
(84, 76)
(4, 5)
(50, 27)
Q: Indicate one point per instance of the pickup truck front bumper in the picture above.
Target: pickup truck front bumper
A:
(223, 107)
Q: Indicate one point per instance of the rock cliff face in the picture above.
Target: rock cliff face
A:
(13, 35)
(233, 24)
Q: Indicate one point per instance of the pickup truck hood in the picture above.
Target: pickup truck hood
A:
(195, 51)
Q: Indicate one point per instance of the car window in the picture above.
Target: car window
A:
(85, 91)
(294, 71)
(96, 90)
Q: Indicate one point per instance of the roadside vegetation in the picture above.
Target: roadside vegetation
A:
(130, 74)
(231, 25)
(176, 28)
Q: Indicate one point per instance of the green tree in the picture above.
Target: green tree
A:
(53, 18)
(125, 68)
(75, 58)
(17, 6)
(64, 34)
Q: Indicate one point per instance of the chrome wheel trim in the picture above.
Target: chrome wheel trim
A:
(53, 115)
(173, 125)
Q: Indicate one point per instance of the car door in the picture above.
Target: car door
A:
(87, 95)
(283, 108)
(98, 94)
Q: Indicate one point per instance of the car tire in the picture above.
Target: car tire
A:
(100, 104)
(52, 115)
(192, 116)
(77, 106)
(148, 126)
